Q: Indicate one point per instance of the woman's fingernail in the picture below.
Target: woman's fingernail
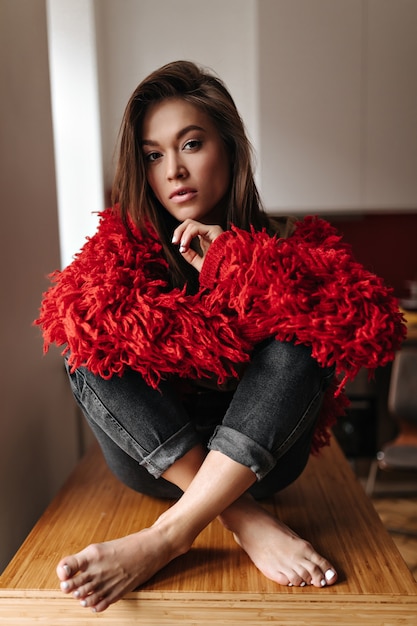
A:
(182, 248)
(329, 574)
(174, 239)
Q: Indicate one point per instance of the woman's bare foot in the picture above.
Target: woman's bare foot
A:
(279, 553)
(103, 573)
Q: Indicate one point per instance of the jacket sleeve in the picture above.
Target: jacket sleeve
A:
(111, 308)
(307, 288)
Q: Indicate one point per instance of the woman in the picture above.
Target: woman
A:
(203, 339)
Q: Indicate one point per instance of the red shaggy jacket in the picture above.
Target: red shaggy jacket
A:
(112, 307)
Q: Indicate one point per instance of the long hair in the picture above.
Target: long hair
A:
(131, 192)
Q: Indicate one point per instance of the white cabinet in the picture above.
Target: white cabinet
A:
(337, 104)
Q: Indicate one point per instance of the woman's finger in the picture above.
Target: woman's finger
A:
(189, 229)
(193, 258)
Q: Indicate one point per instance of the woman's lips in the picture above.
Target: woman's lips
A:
(184, 194)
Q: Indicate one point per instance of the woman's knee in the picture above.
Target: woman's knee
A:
(287, 359)
(150, 426)
(275, 406)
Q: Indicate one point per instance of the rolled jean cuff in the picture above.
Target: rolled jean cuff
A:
(160, 459)
(243, 450)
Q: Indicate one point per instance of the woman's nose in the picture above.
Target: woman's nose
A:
(175, 167)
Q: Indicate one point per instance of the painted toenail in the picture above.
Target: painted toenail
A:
(289, 584)
(302, 584)
(67, 569)
(83, 602)
(64, 586)
(323, 582)
(329, 574)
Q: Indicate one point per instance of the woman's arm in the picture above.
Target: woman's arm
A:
(308, 288)
(111, 308)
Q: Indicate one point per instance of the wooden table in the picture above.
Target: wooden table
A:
(216, 582)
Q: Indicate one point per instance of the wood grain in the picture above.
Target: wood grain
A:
(216, 581)
(49, 609)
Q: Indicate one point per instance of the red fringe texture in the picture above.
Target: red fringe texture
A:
(112, 307)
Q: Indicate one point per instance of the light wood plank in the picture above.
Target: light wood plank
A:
(151, 609)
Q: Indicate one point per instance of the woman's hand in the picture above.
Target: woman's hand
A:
(189, 230)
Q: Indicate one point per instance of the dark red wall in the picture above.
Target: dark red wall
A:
(386, 243)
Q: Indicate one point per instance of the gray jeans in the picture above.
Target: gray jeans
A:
(266, 423)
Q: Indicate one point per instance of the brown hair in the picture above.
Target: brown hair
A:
(131, 192)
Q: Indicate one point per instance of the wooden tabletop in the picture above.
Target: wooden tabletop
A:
(216, 582)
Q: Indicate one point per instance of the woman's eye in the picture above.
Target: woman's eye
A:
(192, 144)
(152, 156)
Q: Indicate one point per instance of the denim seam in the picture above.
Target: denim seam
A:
(283, 447)
(146, 459)
(137, 447)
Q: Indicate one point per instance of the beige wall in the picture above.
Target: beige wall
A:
(38, 441)
(338, 96)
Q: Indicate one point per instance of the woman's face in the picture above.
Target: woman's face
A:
(187, 166)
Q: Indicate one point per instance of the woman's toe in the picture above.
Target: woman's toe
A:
(68, 567)
(101, 605)
(63, 571)
(330, 576)
(295, 580)
(66, 586)
(96, 601)
(85, 589)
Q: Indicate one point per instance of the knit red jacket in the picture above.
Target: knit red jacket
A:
(112, 308)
